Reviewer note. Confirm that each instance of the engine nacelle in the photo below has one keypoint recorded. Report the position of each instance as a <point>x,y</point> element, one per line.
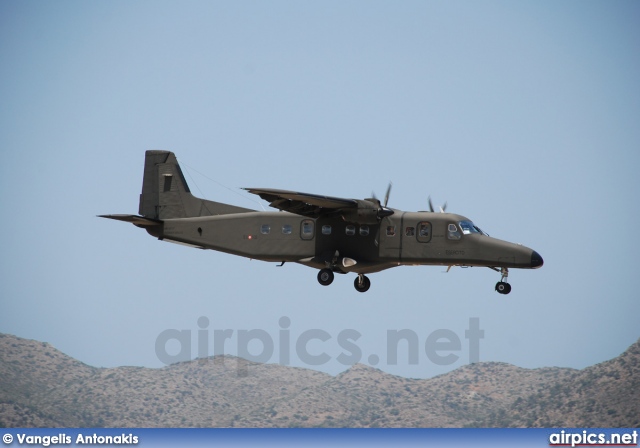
<point>368,212</point>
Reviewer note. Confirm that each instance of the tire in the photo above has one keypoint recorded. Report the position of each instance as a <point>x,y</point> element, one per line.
<point>325,277</point>
<point>366,284</point>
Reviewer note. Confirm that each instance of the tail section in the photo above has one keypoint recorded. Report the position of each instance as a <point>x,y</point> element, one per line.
<point>166,195</point>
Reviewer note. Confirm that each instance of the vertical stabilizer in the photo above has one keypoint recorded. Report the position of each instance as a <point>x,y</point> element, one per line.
<point>166,195</point>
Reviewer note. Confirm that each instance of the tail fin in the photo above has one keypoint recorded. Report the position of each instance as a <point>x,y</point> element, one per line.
<point>166,195</point>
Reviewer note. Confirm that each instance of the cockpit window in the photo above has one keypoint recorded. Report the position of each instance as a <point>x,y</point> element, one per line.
<point>468,227</point>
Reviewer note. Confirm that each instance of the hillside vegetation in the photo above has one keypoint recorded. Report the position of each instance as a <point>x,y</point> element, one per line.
<point>42,387</point>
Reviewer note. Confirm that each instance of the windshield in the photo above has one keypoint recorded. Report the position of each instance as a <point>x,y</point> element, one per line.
<point>469,227</point>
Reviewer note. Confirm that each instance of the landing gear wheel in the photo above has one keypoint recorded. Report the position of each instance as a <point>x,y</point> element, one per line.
<point>325,277</point>
<point>503,287</point>
<point>362,283</point>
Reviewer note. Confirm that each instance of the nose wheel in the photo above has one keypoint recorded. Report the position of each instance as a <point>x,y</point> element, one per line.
<point>502,286</point>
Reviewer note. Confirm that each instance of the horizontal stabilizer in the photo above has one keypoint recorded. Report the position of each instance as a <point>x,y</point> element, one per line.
<point>136,220</point>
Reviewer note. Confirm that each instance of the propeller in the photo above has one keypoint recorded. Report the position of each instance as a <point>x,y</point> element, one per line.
<point>383,211</point>
<point>442,208</point>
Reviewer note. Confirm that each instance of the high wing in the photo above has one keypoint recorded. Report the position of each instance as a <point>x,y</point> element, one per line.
<point>305,204</point>
<point>314,206</point>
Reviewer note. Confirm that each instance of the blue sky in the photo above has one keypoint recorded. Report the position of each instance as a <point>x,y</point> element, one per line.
<point>522,115</point>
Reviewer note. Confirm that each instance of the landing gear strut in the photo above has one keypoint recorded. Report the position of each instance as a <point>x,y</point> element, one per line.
<point>325,277</point>
<point>362,283</point>
<point>502,286</point>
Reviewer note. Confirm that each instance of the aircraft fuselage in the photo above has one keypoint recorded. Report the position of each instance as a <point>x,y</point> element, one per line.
<point>405,238</point>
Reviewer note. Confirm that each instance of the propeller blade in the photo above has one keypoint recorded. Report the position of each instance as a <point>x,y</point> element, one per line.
<point>386,196</point>
<point>442,208</point>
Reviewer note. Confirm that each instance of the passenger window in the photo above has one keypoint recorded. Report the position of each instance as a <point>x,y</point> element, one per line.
<point>452,232</point>
<point>391,230</point>
<point>424,232</point>
<point>364,230</point>
<point>265,229</point>
<point>326,230</point>
<point>307,229</point>
<point>410,231</point>
<point>350,230</point>
<point>286,229</point>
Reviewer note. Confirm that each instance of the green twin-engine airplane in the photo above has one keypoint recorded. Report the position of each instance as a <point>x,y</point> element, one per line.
<point>333,235</point>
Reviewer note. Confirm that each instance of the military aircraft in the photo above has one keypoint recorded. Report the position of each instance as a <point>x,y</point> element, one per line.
<point>333,235</point>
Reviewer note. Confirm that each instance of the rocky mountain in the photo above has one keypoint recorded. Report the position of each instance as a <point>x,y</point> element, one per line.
<point>42,387</point>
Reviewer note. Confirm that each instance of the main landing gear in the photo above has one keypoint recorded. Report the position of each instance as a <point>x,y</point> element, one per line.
<point>325,277</point>
<point>362,282</point>
<point>502,286</point>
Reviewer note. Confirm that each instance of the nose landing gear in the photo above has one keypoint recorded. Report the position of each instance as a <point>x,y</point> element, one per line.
<point>502,286</point>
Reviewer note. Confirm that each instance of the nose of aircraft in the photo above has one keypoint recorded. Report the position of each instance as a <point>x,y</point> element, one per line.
<point>536,260</point>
